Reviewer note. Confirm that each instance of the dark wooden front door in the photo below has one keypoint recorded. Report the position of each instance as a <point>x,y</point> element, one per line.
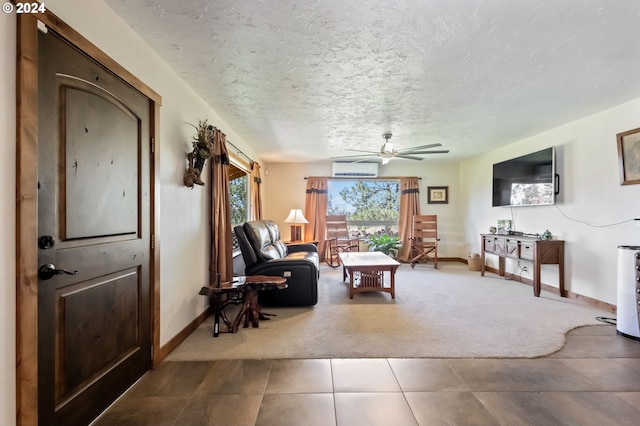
<point>93,217</point>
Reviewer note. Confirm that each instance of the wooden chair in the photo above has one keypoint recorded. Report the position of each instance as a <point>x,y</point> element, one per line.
<point>338,239</point>
<point>424,239</point>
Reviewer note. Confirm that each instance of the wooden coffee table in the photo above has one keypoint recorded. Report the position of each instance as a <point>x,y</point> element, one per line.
<point>366,272</point>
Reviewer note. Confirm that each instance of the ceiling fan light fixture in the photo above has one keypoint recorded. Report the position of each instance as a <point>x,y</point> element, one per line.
<point>387,152</point>
<point>387,148</point>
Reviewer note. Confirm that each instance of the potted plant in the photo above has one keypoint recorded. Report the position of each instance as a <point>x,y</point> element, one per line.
<point>385,243</point>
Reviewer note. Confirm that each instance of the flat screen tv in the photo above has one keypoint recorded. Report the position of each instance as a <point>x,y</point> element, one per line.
<point>529,180</point>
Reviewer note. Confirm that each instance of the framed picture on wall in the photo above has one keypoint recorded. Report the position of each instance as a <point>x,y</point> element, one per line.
<point>437,194</point>
<point>629,156</point>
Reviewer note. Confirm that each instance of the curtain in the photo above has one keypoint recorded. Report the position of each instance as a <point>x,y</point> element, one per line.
<point>255,181</point>
<point>315,211</point>
<point>409,206</point>
<point>221,245</point>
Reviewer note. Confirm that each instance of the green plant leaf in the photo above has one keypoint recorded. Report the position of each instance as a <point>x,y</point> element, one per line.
<point>384,243</point>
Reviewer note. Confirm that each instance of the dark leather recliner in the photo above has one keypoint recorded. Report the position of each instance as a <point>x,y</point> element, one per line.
<point>264,253</point>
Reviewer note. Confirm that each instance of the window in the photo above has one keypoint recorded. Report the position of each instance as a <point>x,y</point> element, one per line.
<point>371,205</point>
<point>238,197</point>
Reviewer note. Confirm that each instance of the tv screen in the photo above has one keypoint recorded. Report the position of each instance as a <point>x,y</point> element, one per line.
<point>525,181</point>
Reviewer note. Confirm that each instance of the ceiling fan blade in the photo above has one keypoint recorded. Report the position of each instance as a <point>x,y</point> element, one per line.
<point>361,150</point>
<point>437,151</point>
<point>408,157</point>
<point>418,148</point>
<point>363,160</point>
<point>373,154</point>
<point>357,160</point>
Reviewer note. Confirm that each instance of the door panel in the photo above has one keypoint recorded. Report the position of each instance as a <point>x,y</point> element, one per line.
<point>94,338</point>
<point>93,200</point>
<point>104,194</point>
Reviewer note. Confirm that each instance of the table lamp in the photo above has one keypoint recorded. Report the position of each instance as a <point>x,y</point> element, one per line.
<point>296,218</point>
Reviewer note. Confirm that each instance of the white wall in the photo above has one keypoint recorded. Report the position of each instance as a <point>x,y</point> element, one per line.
<point>590,191</point>
<point>184,222</point>
<point>7,219</point>
<point>290,176</point>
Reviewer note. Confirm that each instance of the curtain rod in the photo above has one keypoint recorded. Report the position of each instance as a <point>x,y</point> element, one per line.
<point>238,151</point>
<point>364,177</point>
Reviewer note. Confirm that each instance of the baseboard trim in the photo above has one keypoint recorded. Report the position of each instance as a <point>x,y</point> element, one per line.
<point>166,349</point>
<point>440,259</point>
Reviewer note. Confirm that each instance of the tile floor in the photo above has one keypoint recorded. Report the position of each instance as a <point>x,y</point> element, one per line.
<point>593,380</point>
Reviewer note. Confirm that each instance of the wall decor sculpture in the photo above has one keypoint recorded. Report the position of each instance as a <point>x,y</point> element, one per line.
<point>202,151</point>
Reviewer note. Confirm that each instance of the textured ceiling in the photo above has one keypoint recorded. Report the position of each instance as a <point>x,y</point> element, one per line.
<point>301,80</point>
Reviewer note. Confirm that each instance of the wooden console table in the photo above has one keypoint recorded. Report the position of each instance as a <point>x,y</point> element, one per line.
<point>540,252</point>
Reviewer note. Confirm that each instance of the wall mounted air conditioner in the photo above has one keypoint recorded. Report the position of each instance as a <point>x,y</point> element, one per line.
<point>355,169</point>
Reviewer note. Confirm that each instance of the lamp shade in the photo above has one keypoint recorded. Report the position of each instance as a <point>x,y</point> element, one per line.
<point>296,216</point>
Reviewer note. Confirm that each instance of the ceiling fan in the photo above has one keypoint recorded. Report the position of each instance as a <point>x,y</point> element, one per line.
<point>387,152</point>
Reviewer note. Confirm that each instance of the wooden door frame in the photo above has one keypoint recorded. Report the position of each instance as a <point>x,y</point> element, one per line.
<point>27,200</point>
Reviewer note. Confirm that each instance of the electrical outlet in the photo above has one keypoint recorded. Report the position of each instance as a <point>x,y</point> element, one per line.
<point>525,269</point>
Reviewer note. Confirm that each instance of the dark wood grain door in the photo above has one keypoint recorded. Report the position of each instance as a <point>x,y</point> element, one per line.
<point>93,217</point>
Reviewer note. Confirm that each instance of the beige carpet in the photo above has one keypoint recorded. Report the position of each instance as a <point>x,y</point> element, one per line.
<point>445,313</point>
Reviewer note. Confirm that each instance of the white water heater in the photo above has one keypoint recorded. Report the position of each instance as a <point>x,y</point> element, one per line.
<point>628,310</point>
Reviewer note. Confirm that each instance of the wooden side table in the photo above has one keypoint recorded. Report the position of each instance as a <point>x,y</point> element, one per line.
<point>251,310</point>
<point>245,292</point>
<point>235,295</point>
